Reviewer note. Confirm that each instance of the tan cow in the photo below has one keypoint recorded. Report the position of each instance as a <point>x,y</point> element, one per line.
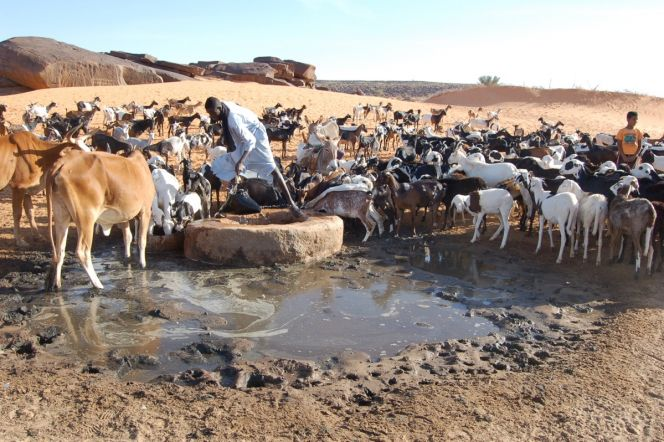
<point>98,187</point>
<point>24,160</point>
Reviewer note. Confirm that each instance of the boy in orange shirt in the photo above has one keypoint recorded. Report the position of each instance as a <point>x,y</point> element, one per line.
<point>629,141</point>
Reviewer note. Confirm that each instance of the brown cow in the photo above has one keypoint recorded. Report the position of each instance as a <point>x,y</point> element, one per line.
<point>24,160</point>
<point>98,187</point>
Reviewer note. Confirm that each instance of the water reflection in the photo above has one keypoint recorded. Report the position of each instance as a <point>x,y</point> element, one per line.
<point>299,311</point>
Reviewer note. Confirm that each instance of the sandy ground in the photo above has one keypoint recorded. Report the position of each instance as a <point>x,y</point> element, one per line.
<point>605,382</point>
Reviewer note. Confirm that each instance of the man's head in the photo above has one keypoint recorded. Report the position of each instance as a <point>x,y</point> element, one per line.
<point>632,118</point>
<point>213,108</point>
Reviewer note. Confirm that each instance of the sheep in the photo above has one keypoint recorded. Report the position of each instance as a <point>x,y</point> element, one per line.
<point>490,201</point>
<point>593,212</point>
<point>634,217</point>
<point>561,209</point>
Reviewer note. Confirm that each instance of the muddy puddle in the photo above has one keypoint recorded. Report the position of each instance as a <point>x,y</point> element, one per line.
<point>168,318</point>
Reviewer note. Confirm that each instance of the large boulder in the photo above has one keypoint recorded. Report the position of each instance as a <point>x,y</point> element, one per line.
<point>262,69</point>
<point>268,60</point>
<point>39,63</point>
<point>305,71</point>
<point>250,77</point>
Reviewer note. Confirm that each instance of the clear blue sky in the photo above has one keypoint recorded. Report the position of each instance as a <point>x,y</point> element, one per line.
<point>593,43</point>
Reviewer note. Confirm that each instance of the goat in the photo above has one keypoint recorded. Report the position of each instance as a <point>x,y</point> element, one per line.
<point>136,128</point>
<point>593,211</point>
<point>350,136</point>
<point>196,182</point>
<point>411,196</point>
<point>283,134</point>
<point>167,187</point>
<point>174,146</point>
<point>185,122</point>
<point>634,217</point>
<point>561,209</point>
<point>459,186</point>
<point>482,202</point>
<point>187,207</point>
<point>437,118</point>
<point>84,106</point>
<point>350,204</point>
<point>492,174</point>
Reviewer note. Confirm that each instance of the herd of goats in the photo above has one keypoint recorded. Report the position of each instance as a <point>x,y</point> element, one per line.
<point>407,164</point>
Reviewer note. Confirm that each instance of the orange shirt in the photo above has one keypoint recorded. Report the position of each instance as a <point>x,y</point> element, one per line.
<point>631,140</point>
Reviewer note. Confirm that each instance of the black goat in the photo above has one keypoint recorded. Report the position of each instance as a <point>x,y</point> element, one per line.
<point>185,122</point>
<point>196,182</point>
<point>215,182</point>
<point>109,144</point>
<point>283,134</point>
<point>459,186</point>
<point>137,127</point>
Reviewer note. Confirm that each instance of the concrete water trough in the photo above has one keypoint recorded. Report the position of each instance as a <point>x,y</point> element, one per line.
<point>273,236</point>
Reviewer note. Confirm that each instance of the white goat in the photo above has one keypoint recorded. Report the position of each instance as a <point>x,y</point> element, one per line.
<point>138,143</point>
<point>167,187</point>
<point>560,209</point>
<point>491,201</point>
<point>492,174</point>
<point>605,140</point>
<point>175,146</point>
<point>593,212</point>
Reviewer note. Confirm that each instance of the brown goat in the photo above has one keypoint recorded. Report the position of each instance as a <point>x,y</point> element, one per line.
<point>633,217</point>
<point>349,204</point>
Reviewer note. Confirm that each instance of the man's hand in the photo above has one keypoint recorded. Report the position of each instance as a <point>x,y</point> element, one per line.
<point>239,168</point>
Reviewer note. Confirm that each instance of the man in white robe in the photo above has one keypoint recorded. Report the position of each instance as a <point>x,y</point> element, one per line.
<point>248,147</point>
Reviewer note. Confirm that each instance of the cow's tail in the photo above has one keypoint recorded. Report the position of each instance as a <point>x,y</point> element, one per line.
<point>49,206</point>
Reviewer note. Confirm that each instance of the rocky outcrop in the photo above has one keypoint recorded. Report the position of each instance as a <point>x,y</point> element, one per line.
<point>153,62</point>
<point>295,72</point>
<point>262,69</point>
<point>304,71</point>
<point>39,63</point>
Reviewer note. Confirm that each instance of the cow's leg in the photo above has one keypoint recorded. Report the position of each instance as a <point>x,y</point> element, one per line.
<point>143,222</point>
<point>126,235</point>
<point>29,212</point>
<point>85,228</point>
<point>60,230</point>
<point>17,210</point>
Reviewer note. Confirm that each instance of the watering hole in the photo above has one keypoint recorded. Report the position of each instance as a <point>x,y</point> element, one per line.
<point>374,305</point>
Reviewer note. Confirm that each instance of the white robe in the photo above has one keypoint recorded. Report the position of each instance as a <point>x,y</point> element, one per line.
<point>250,136</point>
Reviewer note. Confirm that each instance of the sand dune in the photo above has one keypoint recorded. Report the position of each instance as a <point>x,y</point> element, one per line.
<point>590,111</point>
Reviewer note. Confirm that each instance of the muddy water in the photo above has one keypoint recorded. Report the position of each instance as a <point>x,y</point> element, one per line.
<point>376,306</point>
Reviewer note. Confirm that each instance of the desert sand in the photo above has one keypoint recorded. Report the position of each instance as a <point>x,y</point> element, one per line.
<point>607,383</point>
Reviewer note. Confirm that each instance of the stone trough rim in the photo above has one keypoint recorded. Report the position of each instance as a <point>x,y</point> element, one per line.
<point>227,243</point>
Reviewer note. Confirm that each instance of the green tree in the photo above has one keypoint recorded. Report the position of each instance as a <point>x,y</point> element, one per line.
<point>488,80</point>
